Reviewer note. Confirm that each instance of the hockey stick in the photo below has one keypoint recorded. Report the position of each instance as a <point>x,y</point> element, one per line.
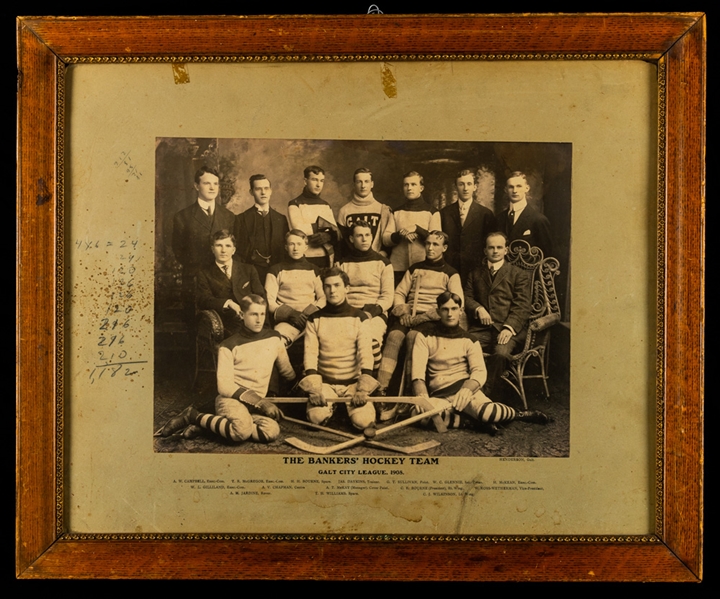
<point>369,434</point>
<point>407,450</point>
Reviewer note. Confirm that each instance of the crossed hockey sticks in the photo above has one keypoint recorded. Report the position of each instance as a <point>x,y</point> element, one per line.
<point>368,435</point>
<point>299,444</point>
<point>434,414</point>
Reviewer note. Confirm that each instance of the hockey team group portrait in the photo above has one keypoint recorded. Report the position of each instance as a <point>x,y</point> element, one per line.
<point>362,297</point>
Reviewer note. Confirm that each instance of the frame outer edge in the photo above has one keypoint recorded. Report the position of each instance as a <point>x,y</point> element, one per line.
<point>684,286</point>
<point>36,341</point>
<point>35,288</point>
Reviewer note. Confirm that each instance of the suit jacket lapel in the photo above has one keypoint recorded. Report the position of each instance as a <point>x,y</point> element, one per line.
<point>471,215</point>
<point>202,218</point>
<point>521,224</point>
<point>240,282</point>
<point>500,275</point>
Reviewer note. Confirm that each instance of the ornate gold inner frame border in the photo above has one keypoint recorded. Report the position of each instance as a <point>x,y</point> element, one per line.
<point>46,46</point>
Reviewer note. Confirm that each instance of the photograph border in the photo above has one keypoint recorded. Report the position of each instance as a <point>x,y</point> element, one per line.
<point>46,46</point>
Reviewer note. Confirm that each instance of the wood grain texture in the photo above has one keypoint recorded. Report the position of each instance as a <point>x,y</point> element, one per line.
<point>678,39</point>
<point>361,34</point>
<point>457,560</point>
<point>684,325</point>
<point>36,283</point>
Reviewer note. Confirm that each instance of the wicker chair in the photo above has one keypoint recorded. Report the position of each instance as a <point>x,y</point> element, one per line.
<point>210,334</point>
<point>545,313</point>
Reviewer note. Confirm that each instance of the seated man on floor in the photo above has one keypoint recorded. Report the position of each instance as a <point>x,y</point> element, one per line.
<point>371,283</point>
<point>338,356</point>
<point>293,287</point>
<point>221,286</point>
<point>245,363</point>
<point>448,366</point>
<point>414,302</point>
<point>497,296</point>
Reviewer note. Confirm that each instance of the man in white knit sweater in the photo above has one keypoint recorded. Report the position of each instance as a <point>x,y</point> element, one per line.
<point>245,363</point>
<point>293,288</point>
<point>371,283</point>
<point>338,356</point>
<point>448,368</point>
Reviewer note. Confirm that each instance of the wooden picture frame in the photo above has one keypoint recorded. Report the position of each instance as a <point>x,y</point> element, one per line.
<point>46,46</point>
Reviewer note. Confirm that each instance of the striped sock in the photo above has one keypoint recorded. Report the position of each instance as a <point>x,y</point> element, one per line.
<point>495,413</point>
<point>218,425</point>
<point>377,354</point>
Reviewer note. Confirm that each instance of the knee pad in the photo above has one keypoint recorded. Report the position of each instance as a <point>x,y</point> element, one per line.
<point>363,417</point>
<point>319,414</point>
<point>265,430</point>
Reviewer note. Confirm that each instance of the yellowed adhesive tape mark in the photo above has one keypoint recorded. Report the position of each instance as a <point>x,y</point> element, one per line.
<point>180,72</point>
<point>389,82</point>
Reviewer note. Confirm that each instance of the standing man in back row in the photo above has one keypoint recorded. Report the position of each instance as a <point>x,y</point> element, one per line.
<point>313,216</point>
<point>261,229</point>
<point>363,206</point>
<point>409,226</point>
<point>520,221</point>
<point>467,224</point>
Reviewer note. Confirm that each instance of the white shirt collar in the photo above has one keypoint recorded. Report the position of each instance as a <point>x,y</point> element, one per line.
<point>518,207</point>
<point>222,266</point>
<point>496,266</point>
<point>207,205</point>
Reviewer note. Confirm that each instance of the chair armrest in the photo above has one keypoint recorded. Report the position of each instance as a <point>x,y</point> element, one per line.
<point>544,322</point>
<point>210,325</point>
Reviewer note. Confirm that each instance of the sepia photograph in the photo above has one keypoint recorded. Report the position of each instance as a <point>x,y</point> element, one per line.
<point>362,297</point>
<point>269,316</point>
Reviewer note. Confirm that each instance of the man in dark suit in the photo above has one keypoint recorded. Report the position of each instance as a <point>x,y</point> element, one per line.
<point>261,229</point>
<point>221,286</point>
<point>520,221</point>
<point>497,300</point>
<point>466,223</point>
<point>193,228</point>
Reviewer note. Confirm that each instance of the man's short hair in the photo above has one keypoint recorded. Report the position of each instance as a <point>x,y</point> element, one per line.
<point>223,234</point>
<point>334,271</point>
<point>313,169</point>
<point>414,174</point>
<point>441,234</point>
<point>359,223</point>
<point>465,172</point>
<point>296,233</point>
<point>496,234</point>
<point>361,171</point>
<point>205,169</point>
<point>251,299</point>
<point>517,174</point>
<point>258,177</point>
<point>446,296</point>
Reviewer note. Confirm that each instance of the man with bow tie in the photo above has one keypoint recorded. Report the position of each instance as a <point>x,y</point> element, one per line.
<point>521,221</point>
<point>261,229</point>
<point>467,224</point>
<point>222,285</point>
<point>497,296</point>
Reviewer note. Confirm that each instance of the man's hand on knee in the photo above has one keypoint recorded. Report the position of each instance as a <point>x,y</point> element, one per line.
<point>504,336</point>
<point>462,399</point>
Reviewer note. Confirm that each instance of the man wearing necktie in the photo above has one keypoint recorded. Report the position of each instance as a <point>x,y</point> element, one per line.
<point>261,229</point>
<point>497,296</point>
<point>221,286</point>
<point>193,227</point>
<point>467,223</point>
<point>521,221</point>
